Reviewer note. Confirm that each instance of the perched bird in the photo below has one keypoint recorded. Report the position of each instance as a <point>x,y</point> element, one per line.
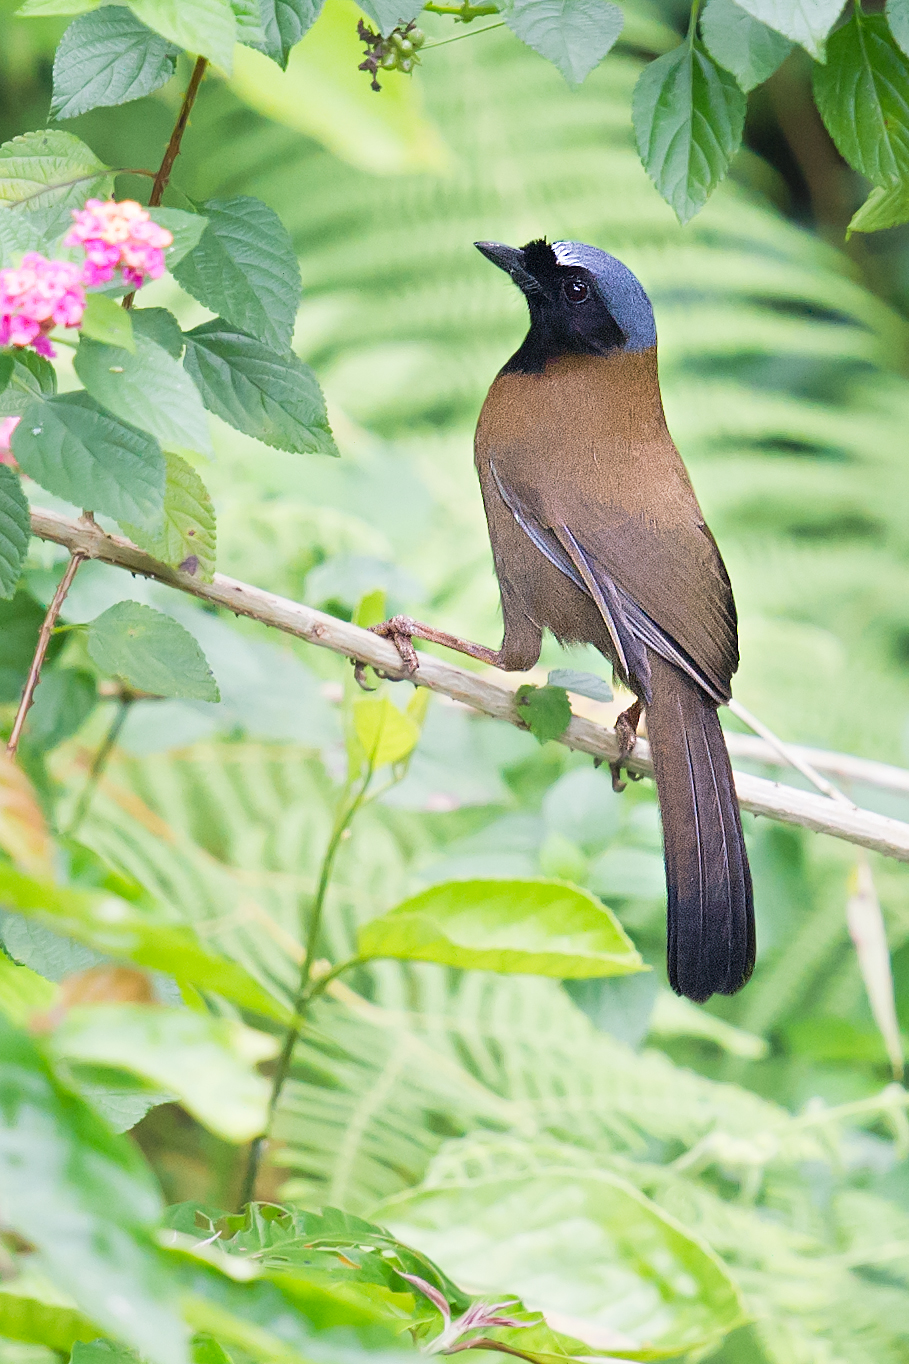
<point>597,536</point>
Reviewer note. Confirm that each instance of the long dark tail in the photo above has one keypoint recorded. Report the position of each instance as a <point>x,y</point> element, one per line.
<point>710,941</point>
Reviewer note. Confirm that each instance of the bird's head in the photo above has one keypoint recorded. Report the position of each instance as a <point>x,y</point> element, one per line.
<point>581,300</point>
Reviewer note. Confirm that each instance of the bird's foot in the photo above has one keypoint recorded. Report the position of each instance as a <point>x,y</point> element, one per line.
<point>402,631</point>
<point>626,729</point>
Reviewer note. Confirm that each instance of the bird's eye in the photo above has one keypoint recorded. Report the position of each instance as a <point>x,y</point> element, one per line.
<point>576,290</point>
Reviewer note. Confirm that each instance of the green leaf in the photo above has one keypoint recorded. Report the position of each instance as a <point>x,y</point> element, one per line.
<point>63,702</point>
<point>885,207</point>
<point>863,97</point>
<point>83,454</point>
<point>389,14</point>
<point>33,1310</point>
<point>545,711</point>
<point>245,268</point>
<point>32,377</point>
<point>51,172</point>
<point>249,21</point>
<point>273,397</point>
<point>146,387</point>
<point>20,622</point>
<point>21,232</point>
<point>284,22</point>
<point>535,927</point>
<point>108,57</point>
<point>7,365</point>
<point>150,652</point>
<point>187,539</point>
<point>186,228</point>
<point>22,993</point>
<point>104,320</point>
<point>742,44</point>
<point>897,12</point>
<point>118,928</point>
<point>205,1062</point>
<point>574,35</point>
<point>15,530</point>
<point>804,21</point>
<point>582,684</point>
<point>86,1199</point>
<point>160,326</point>
<point>688,118</point>
<point>385,733</point>
<point>585,1247</point>
<point>204,27</point>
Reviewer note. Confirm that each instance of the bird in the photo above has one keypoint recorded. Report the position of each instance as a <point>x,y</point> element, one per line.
<point>597,536</point>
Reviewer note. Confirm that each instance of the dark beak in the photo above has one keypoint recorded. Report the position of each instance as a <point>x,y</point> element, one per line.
<point>511,260</point>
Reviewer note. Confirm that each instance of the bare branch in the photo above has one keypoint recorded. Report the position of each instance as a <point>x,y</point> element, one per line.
<point>757,795</point>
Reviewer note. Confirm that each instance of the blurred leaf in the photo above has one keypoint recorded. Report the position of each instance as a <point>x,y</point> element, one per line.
<point>22,993</point>
<point>385,733</point>
<point>245,268</point>
<point>675,1017</point>
<point>23,833</point>
<point>123,930</point>
<point>150,652</point>
<point>15,530</point>
<point>33,1310</point>
<point>324,96</point>
<point>160,326</point>
<point>390,14</point>
<point>869,936</point>
<point>284,23</point>
<point>546,711</point>
<point>31,8</point>
<point>741,43</point>
<point>147,388</point>
<point>108,57</point>
<point>688,118</point>
<point>102,1352</point>
<point>20,622</point>
<point>589,1251</point>
<point>204,27</point>
<point>574,35</point>
<point>897,12</point>
<point>631,873</point>
<point>81,453</point>
<point>207,1063</point>
<point>273,397</point>
<point>536,927</point>
<point>51,172</point>
<point>104,320</point>
<point>21,232</point>
<point>86,1199</point>
<point>186,228</point>
<point>886,206</point>
<point>582,684</point>
<point>64,699</point>
<point>806,22</point>
<point>863,96</point>
<point>32,377</point>
<point>187,540</point>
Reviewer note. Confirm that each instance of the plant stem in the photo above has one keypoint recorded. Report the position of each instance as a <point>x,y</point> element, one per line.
<point>465,12</point>
<point>693,21</point>
<point>172,151</point>
<point>44,638</point>
<point>99,763</point>
<point>307,990</point>
<point>474,33</point>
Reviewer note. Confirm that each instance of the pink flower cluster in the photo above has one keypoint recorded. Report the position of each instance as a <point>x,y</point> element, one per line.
<point>119,236</point>
<point>38,296</point>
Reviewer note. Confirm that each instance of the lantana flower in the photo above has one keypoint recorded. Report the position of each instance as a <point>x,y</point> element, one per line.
<point>7,427</point>
<point>118,236</point>
<point>36,297</point>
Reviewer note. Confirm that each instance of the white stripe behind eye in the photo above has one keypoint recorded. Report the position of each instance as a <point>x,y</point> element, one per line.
<point>564,253</point>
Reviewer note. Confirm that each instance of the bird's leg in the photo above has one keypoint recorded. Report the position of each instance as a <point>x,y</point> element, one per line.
<point>626,729</point>
<point>402,631</point>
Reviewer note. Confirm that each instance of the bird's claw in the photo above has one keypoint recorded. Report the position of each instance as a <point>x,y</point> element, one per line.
<point>626,730</point>
<point>399,631</point>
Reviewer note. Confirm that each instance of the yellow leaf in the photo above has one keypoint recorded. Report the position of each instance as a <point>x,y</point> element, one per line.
<point>323,95</point>
<point>387,736</point>
<point>23,832</point>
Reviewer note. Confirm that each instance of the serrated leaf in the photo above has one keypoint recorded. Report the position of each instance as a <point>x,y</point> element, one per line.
<point>186,229</point>
<point>284,22</point>
<point>105,58</point>
<point>159,326</point>
<point>105,321</point>
<point>15,530</point>
<point>245,269</point>
<point>862,94</point>
<point>806,22</point>
<point>187,538</point>
<point>87,1200</point>
<point>574,35</point>
<point>582,684</point>
<point>688,118</point>
<point>32,377</point>
<point>206,28</point>
<point>77,451</point>
<point>205,1062</point>
<point>249,21</point>
<point>545,711</point>
<point>885,207</point>
<point>389,14</point>
<point>742,44</point>
<point>51,172</point>
<point>150,652</point>
<point>148,388</point>
<point>384,732</point>
<point>533,927</point>
<point>273,397</point>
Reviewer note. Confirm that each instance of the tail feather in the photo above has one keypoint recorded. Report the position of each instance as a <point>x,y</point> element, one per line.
<point>710,938</point>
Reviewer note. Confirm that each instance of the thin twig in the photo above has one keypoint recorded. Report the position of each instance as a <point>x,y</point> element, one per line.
<point>44,639</point>
<point>789,755</point>
<point>786,804</point>
<point>473,33</point>
<point>99,763</point>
